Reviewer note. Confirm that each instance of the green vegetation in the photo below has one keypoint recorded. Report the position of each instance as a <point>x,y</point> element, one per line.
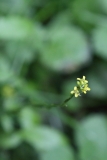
<point>45,45</point>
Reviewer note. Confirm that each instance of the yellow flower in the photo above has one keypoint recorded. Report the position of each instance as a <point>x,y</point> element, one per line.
<point>85,89</point>
<point>76,92</point>
<point>82,81</point>
<point>82,86</point>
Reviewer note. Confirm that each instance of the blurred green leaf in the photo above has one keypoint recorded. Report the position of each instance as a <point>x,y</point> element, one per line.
<point>7,123</point>
<point>92,138</point>
<point>28,118</point>
<point>98,80</point>
<point>80,10</point>
<point>5,70</point>
<point>15,28</point>
<point>103,4</point>
<point>87,12</point>
<point>99,37</point>
<point>97,85</point>
<point>8,141</point>
<point>11,104</point>
<point>43,138</point>
<point>65,49</point>
<point>59,153</point>
<point>20,6</point>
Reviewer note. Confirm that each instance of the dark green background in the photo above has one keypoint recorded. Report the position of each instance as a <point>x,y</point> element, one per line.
<point>44,46</point>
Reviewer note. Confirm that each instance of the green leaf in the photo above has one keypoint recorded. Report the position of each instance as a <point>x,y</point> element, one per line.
<point>98,88</point>
<point>103,5</point>
<point>98,80</point>
<point>92,138</point>
<point>8,141</point>
<point>99,37</point>
<point>59,153</point>
<point>13,6</point>
<point>11,103</point>
<point>6,72</point>
<point>7,123</point>
<point>43,138</point>
<point>65,49</point>
<point>15,28</point>
<point>28,118</point>
<point>83,12</point>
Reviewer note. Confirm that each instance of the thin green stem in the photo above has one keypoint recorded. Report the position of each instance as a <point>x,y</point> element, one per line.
<point>68,99</point>
<point>63,104</point>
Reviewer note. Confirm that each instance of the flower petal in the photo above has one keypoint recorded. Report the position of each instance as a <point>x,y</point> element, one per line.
<point>72,92</point>
<point>83,77</point>
<point>76,95</point>
<point>75,88</point>
<point>88,89</point>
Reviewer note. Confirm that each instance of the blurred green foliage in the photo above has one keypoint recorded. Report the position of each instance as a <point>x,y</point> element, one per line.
<point>44,46</point>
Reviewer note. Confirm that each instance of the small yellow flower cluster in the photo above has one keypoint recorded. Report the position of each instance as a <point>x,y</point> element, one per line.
<point>76,92</point>
<point>82,86</point>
